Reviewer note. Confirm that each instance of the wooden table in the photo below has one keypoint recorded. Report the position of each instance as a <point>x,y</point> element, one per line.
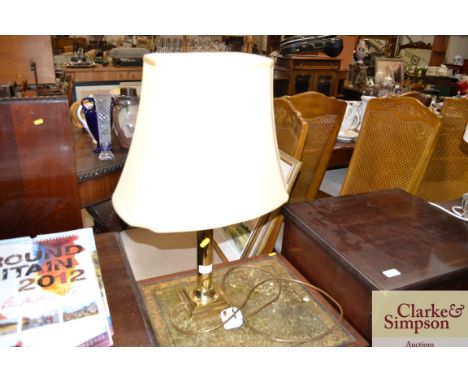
<point>97,179</point>
<point>129,314</point>
<point>341,155</point>
<point>343,244</point>
<point>121,290</point>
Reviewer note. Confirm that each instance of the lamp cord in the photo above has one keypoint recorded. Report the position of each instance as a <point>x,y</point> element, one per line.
<point>454,212</point>
<point>280,281</point>
<point>225,295</point>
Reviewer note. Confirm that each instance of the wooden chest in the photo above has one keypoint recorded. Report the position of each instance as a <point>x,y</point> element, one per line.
<point>345,244</point>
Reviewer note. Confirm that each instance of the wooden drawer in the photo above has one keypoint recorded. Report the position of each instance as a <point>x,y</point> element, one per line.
<point>103,74</point>
<point>317,65</point>
<point>130,75</point>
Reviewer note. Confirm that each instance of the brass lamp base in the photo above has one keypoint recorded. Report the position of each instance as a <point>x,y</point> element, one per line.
<point>196,303</point>
<point>204,298</point>
<point>201,298</point>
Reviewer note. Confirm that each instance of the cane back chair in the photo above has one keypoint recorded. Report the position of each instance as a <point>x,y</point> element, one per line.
<point>291,133</point>
<point>446,176</point>
<point>425,99</point>
<point>291,129</point>
<point>396,141</point>
<point>324,116</point>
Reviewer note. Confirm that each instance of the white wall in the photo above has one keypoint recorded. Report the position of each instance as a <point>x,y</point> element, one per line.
<point>423,54</point>
<point>457,45</point>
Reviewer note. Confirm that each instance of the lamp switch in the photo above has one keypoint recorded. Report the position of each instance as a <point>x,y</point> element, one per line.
<point>232,318</point>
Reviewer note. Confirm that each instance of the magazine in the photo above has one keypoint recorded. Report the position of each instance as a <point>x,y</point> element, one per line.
<point>51,292</point>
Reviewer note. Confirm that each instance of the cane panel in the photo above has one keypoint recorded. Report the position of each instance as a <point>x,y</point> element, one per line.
<point>446,176</point>
<point>291,129</point>
<point>397,138</point>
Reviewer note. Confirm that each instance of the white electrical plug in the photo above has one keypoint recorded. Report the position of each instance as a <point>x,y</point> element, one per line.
<point>235,322</point>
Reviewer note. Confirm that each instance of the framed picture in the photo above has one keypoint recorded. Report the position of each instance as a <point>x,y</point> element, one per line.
<point>234,241</point>
<point>86,89</point>
<point>246,239</point>
<point>415,60</point>
<point>132,84</point>
<point>290,169</point>
<point>395,65</point>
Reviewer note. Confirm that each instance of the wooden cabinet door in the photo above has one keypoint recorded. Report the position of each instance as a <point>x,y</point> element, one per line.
<point>301,81</point>
<point>323,81</point>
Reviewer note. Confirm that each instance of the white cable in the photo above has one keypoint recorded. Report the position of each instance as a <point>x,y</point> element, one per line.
<point>454,213</point>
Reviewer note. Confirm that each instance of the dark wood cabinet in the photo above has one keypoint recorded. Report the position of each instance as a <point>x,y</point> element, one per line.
<point>344,245</point>
<point>311,73</point>
<point>38,182</point>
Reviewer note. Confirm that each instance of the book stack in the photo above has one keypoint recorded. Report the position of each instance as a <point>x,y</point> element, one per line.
<point>52,293</point>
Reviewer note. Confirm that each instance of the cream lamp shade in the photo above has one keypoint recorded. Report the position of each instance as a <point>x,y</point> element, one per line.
<point>204,152</point>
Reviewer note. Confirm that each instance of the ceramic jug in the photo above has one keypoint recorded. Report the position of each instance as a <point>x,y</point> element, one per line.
<point>98,120</point>
<point>89,121</point>
<point>352,117</point>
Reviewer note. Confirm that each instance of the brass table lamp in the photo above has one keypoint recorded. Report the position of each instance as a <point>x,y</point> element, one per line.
<point>204,152</point>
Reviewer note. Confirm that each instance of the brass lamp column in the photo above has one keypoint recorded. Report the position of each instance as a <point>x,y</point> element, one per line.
<point>204,292</point>
<point>204,298</point>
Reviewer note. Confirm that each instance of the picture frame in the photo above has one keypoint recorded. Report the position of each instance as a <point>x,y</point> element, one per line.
<point>396,66</point>
<point>290,168</point>
<point>247,239</point>
<point>86,89</point>
<point>415,60</point>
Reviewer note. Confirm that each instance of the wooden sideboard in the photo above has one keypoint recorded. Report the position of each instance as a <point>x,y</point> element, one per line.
<point>311,73</point>
<point>101,73</point>
<point>97,179</point>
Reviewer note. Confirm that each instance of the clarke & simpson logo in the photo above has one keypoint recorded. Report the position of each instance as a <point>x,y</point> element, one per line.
<point>410,316</point>
<point>419,318</point>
